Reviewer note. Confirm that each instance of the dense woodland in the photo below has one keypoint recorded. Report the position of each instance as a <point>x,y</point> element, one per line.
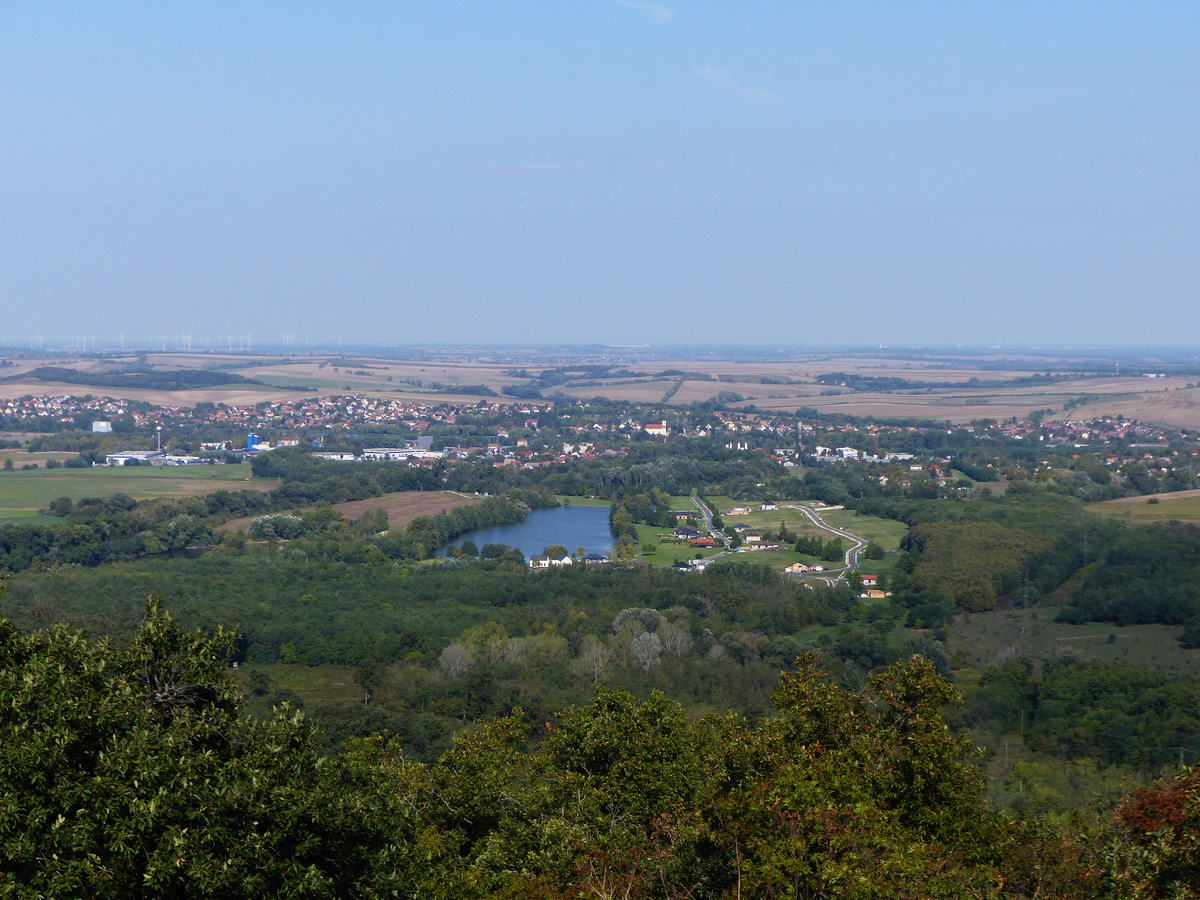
<point>131,772</point>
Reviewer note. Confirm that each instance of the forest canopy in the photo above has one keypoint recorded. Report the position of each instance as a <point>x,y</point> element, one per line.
<point>129,772</point>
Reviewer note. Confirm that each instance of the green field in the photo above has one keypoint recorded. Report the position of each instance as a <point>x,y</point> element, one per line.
<point>667,552</point>
<point>769,521</point>
<point>325,683</point>
<point>567,500</point>
<point>1181,506</point>
<point>977,640</point>
<point>885,566</point>
<point>885,532</point>
<point>24,494</point>
<point>777,559</point>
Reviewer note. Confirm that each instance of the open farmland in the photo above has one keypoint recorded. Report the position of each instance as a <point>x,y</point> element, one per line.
<point>636,392</point>
<point>233,394</point>
<point>401,508</point>
<point>381,374</point>
<point>1178,506</point>
<point>23,494</point>
<point>809,369</point>
<point>37,458</point>
<point>1177,408</point>
<point>1167,401</point>
<point>957,407</point>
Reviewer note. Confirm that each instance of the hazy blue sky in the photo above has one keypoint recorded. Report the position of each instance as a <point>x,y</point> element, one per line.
<point>602,170</point>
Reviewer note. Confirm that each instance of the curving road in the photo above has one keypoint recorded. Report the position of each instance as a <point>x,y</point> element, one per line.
<point>851,559</point>
<point>857,543</point>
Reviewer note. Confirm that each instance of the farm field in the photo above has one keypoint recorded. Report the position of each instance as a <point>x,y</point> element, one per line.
<point>1179,506</point>
<point>38,458</point>
<point>637,392</point>
<point>233,394</point>
<point>1178,408</point>
<point>24,494</point>
<point>378,371</point>
<point>1167,401</point>
<point>956,408</point>
<point>914,369</point>
<point>401,507</point>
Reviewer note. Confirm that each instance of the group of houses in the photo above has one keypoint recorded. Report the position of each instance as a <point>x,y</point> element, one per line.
<point>550,562</point>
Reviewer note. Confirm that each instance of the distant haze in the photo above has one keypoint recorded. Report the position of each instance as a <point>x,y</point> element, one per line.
<point>601,170</point>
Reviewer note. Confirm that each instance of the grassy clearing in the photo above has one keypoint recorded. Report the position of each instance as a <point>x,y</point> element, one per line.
<point>566,500</point>
<point>795,520</point>
<point>23,494</point>
<point>885,532</point>
<point>986,639</point>
<point>324,684</point>
<point>1180,506</point>
<point>885,566</point>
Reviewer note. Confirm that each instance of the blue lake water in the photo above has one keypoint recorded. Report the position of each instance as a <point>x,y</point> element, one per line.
<point>571,526</point>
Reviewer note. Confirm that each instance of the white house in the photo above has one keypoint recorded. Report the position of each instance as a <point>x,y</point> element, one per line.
<point>135,457</point>
<point>545,562</point>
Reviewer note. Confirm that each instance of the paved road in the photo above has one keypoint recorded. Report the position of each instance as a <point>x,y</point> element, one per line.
<point>835,575</point>
<point>708,525</point>
<point>857,543</point>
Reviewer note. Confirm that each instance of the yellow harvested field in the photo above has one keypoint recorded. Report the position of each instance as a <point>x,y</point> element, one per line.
<point>234,394</point>
<point>638,392</point>
<point>377,371</point>
<point>903,406</point>
<point>808,369</point>
<point>1179,408</point>
<point>1166,401</point>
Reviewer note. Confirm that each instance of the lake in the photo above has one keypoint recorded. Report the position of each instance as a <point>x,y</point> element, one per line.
<point>571,526</point>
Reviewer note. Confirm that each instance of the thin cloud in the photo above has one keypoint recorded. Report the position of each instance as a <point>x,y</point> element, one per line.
<point>720,77</point>
<point>656,11</point>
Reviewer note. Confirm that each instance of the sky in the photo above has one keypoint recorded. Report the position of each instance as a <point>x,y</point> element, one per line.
<point>589,171</point>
